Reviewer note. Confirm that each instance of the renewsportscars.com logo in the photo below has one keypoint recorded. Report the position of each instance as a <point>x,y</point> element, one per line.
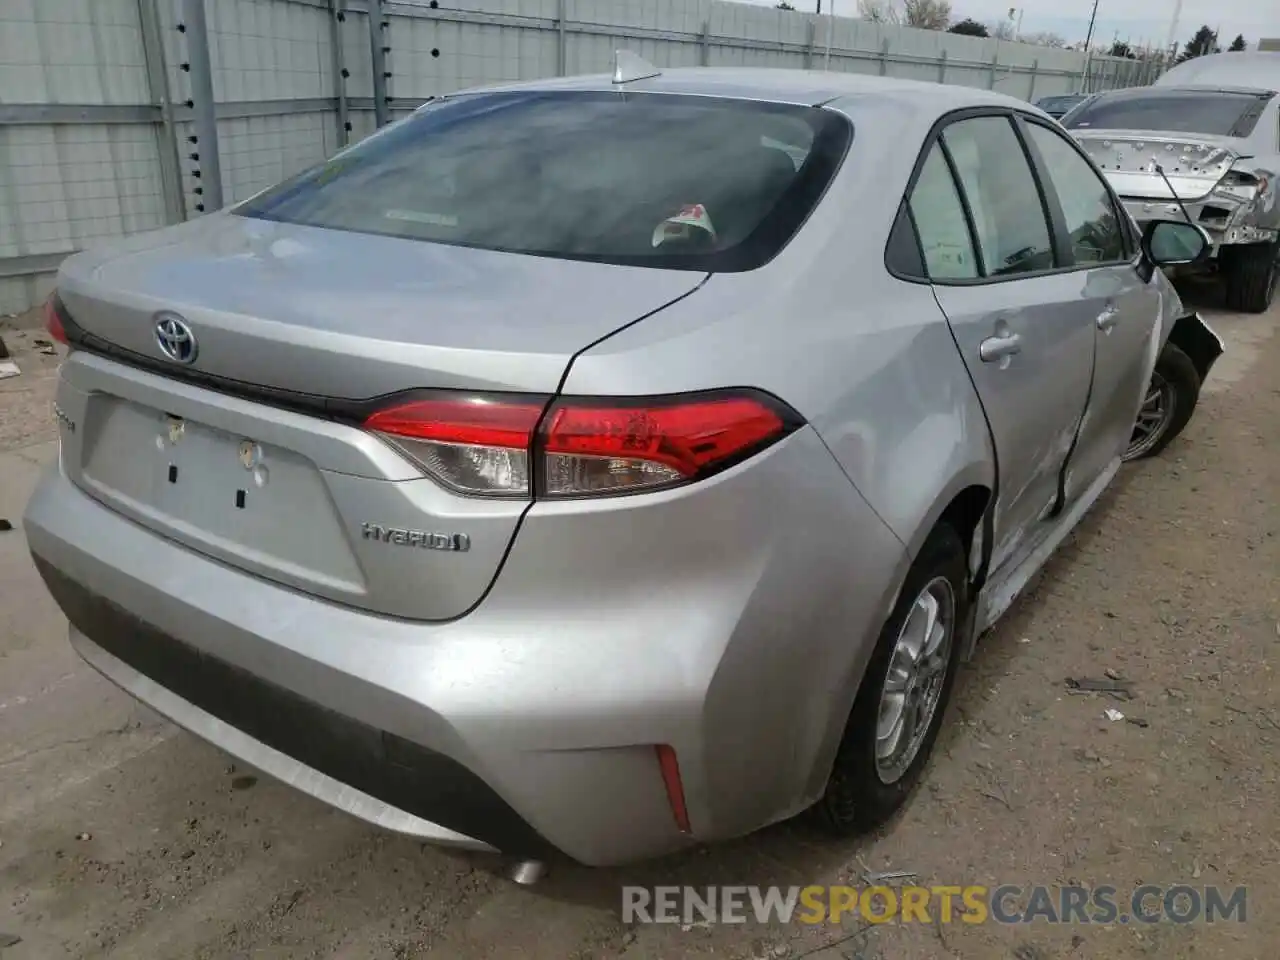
<point>1005,904</point>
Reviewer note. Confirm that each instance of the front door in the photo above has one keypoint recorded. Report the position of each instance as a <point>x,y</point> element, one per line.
<point>1022,330</point>
<point>1124,308</point>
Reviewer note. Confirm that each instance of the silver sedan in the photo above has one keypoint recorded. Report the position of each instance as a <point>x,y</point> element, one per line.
<point>609,464</point>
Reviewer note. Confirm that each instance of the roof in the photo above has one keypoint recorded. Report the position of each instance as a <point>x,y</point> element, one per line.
<point>801,87</point>
<point>1253,68</point>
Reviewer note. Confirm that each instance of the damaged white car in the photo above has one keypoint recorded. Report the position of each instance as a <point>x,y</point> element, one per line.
<point>1210,154</point>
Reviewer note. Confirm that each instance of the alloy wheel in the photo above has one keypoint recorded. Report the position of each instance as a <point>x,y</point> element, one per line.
<point>1153,419</point>
<point>915,679</point>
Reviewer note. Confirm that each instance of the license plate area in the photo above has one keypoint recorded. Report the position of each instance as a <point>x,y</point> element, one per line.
<point>256,505</point>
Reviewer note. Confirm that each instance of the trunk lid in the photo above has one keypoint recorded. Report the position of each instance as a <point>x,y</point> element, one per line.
<point>305,500</point>
<point>1193,163</point>
<point>356,315</point>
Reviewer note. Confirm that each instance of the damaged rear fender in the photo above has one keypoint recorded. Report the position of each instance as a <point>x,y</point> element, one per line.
<point>1243,205</point>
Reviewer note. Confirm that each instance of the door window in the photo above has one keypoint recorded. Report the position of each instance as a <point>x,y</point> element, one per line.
<point>1013,232</point>
<point>1093,226</point>
<point>939,216</point>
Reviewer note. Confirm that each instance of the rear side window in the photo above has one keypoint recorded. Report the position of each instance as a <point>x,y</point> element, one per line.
<point>1217,113</point>
<point>1008,214</point>
<point>694,183</point>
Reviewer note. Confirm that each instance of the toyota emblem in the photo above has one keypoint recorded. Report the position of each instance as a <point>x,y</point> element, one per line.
<point>175,339</point>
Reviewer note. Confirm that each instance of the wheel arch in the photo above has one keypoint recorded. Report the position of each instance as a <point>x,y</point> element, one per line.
<point>964,504</point>
<point>966,513</point>
<point>967,504</point>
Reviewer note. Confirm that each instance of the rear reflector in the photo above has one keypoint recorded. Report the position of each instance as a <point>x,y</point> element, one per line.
<point>670,767</point>
<point>492,446</point>
<point>53,319</point>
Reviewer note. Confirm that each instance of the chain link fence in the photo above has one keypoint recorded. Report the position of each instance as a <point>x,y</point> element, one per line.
<point>123,115</point>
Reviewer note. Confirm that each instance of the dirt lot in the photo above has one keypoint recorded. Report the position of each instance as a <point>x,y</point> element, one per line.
<point>122,837</point>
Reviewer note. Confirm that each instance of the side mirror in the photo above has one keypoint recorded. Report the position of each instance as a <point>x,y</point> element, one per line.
<point>1172,243</point>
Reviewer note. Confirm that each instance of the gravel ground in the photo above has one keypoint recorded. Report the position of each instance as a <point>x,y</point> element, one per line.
<point>122,837</point>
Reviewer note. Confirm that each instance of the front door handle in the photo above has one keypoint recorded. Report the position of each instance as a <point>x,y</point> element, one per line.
<point>998,349</point>
<point>1108,318</point>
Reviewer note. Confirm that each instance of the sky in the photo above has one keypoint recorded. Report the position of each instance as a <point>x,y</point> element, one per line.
<point>1135,20</point>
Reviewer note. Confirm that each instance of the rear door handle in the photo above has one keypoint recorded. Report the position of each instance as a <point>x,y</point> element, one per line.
<point>997,349</point>
<point>1108,318</point>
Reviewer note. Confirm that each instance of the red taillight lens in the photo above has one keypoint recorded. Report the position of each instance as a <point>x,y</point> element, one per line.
<point>53,319</point>
<point>474,444</point>
<point>670,767</point>
<point>595,448</point>
<point>494,446</point>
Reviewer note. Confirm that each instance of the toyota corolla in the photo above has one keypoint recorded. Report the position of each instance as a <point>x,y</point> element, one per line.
<point>603,465</point>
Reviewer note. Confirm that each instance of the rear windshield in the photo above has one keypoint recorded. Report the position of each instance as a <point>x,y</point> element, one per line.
<point>695,183</point>
<point>1217,113</point>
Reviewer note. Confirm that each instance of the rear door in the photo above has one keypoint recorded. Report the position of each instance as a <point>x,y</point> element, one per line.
<point>1021,326</point>
<point>1124,306</point>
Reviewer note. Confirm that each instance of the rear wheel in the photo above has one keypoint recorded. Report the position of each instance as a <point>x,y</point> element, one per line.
<point>1168,405</point>
<point>899,708</point>
<point>1250,274</point>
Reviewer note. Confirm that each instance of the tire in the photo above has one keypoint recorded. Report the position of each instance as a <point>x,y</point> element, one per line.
<point>859,796</point>
<point>1175,384</point>
<point>1250,274</point>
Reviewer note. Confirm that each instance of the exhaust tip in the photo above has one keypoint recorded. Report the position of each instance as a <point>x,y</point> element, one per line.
<point>528,872</point>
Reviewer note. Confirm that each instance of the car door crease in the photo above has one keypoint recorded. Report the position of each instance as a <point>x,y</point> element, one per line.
<point>1061,502</point>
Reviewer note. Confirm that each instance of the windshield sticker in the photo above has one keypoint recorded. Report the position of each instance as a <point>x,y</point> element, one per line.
<point>690,221</point>
<point>417,216</point>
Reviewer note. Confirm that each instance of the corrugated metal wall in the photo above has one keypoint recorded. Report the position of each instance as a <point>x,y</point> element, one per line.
<point>98,107</point>
<point>65,185</point>
<point>273,81</point>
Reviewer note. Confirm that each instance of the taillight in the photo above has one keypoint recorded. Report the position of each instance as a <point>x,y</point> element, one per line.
<point>1241,178</point>
<point>474,444</point>
<point>595,447</point>
<point>582,447</point>
<point>53,319</point>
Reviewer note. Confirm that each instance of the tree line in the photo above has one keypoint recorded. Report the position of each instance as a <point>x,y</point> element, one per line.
<point>937,15</point>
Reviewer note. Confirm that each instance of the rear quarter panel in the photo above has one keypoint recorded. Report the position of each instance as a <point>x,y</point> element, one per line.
<point>869,361</point>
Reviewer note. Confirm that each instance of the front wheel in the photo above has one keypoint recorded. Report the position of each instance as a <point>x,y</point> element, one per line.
<point>1168,405</point>
<point>904,693</point>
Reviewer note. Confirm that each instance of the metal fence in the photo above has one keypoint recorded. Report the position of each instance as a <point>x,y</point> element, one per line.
<point>122,115</point>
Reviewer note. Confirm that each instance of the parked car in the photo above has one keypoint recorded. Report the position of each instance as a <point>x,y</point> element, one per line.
<point>1057,106</point>
<point>1211,154</point>
<point>561,470</point>
<point>1243,68</point>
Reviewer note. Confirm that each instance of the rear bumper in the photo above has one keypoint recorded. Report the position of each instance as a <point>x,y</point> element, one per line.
<point>372,773</point>
<point>694,619</point>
